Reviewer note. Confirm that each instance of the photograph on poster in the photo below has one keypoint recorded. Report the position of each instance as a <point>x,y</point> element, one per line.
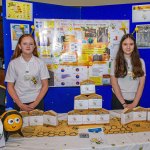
<point>143,36</point>
<point>16,32</point>
<point>141,13</point>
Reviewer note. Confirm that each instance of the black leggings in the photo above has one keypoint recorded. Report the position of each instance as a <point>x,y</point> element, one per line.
<point>116,103</point>
<point>39,106</point>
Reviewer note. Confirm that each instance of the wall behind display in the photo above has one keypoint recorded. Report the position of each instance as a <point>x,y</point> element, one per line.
<point>62,99</point>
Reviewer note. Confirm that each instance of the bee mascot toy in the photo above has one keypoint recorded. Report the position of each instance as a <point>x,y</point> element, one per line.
<point>12,123</point>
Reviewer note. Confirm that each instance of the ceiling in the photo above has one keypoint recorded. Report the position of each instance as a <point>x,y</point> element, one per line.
<point>86,2</point>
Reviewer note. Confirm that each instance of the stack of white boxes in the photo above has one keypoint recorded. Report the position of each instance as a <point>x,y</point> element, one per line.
<point>135,114</point>
<point>88,107</point>
<point>39,117</point>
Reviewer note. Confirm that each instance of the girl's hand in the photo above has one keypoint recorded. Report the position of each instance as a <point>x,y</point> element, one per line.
<point>131,106</point>
<point>25,107</point>
<point>33,105</point>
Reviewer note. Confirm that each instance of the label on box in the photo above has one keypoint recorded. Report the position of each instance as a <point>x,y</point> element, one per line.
<point>95,103</point>
<point>87,89</point>
<point>36,120</point>
<point>81,104</point>
<point>74,119</point>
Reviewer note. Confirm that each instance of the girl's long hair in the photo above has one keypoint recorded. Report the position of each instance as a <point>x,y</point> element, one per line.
<point>18,51</point>
<point>121,64</point>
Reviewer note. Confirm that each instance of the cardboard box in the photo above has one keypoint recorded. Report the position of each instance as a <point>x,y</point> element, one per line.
<point>81,102</point>
<point>102,116</point>
<point>74,118</point>
<point>115,113</point>
<point>25,117</point>
<point>95,101</point>
<point>87,87</point>
<point>89,117</point>
<point>50,118</point>
<point>139,114</point>
<point>126,116</point>
<point>36,117</point>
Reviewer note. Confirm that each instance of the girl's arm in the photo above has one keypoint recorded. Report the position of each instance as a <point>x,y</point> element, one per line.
<point>41,94</point>
<point>117,91</point>
<point>138,93</point>
<point>13,94</point>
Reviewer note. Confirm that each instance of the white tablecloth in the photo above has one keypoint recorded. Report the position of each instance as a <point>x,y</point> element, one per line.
<point>128,141</point>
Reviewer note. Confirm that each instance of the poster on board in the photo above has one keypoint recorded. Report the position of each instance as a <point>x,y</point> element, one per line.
<point>17,10</point>
<point>141,13</point>
<point>76,50</point>
<point>143,36</point>
<point>16,32</point>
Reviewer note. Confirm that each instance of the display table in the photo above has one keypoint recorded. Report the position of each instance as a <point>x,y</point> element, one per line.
<point>126,141</point>
<point>57,138</point>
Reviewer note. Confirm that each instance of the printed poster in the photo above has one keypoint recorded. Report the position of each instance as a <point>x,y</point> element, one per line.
<point>76,50</point>
<point>19,10</point>
<point>16,32</point>
<point>141,13</point>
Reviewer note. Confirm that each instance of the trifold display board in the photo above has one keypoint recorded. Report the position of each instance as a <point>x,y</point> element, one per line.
<point>59,98</point>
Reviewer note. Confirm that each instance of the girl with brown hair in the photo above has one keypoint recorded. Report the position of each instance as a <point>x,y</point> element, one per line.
<point>127,75</point>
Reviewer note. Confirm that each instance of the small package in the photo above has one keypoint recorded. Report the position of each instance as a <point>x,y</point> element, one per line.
<point>95,101</point>
<point>36,117</point>
<point>87,87</point>
<point>102,116</point>
<point>81,102</point>
<point>89,117</point>
<point>139,114</point>
<point>126,116</point>
<point>25,117</point>
<point>75,117</point>
<point>50,118</point>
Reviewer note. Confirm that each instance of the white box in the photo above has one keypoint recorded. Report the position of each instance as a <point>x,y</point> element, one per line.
<point>139,115</point>
<point>126,117</point>
<point>102,118</point>
<point>115,113</point>
<point>36,120</point>
<point>95,103</point>
<point>89,119</point>
<point>87,89</point>
<point>50,120</point>
<point>2,139</point>
<point>81,104</point>
<point>74,119</point>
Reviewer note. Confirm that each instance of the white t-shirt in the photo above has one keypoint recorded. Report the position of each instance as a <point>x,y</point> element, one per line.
<point>128,85</point>
<point>27,77</point>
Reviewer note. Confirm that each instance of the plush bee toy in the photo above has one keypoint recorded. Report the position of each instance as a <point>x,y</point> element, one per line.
<point>12,123</point>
